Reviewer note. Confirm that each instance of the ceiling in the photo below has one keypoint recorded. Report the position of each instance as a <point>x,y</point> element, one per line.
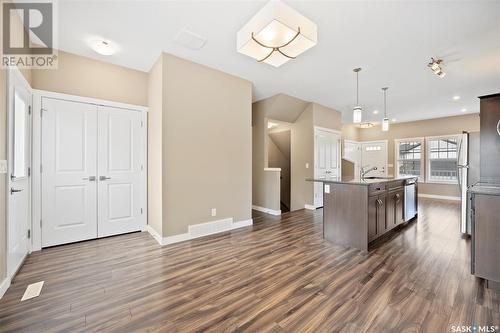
<point>392,41</point>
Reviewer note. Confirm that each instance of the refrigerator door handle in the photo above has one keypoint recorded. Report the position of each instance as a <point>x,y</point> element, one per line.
<point>459,176</point>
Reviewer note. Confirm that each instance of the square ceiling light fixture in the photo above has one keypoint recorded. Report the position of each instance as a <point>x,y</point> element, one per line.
<point>276,34</point>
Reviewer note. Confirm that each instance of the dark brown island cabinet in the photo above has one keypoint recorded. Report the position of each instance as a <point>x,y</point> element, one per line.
<point>356,213</point>
<point>485,197</point>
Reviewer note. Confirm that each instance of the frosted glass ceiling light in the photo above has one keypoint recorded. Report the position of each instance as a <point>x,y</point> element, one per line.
<point>357,111</point>
<point>385,121</point>
<point>276,34</point>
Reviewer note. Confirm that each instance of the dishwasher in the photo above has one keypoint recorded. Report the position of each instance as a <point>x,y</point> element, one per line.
<point>410,203</point>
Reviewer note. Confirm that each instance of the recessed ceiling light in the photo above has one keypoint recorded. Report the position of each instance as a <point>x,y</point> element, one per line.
<point>393,120</point>
<point>104,47</point>
<point>375,111</point>
<point>464,110</point>
<point>456,98</point>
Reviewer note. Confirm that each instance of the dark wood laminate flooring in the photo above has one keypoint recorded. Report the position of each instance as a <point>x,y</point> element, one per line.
<point>277,276</point>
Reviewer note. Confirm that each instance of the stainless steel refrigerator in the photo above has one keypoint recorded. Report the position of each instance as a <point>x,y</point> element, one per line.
<point>468,174</point>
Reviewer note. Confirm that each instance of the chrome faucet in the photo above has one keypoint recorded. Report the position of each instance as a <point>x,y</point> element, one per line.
<point>363,172</point>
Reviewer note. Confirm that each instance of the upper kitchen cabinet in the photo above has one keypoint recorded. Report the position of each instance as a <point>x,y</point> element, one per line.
<point>490,139</point>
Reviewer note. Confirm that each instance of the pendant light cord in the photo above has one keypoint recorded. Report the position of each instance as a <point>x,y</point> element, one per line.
<point>385,101</point>
<point>357,88</point>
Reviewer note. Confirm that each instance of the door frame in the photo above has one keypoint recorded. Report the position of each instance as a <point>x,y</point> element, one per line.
<point>38,95</point>
<point>10,72</point>
<point>339,156</point>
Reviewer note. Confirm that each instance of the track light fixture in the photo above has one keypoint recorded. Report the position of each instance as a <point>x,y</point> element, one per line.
<point>435,66</point>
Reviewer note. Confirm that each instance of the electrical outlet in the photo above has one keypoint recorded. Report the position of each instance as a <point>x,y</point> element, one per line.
<point>3,166</point>
<point>214,211</point>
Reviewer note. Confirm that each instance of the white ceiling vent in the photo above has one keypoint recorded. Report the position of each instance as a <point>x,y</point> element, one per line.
<point>190,40</point>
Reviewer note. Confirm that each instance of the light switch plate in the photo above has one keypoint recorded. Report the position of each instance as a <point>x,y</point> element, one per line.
<point>307,165</point>
<point>327,188</point>
<point>3,166</point>
<point>214,211</point>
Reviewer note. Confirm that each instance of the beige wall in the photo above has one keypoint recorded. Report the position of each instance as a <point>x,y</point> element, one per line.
<point>302,152</point>
<point>155,139</point>
<point>350,132</point>
<point>423,128</point>
<point>326,117</point>
<point>207,156</point>
<point>263,183</point>
<point>81,76</point>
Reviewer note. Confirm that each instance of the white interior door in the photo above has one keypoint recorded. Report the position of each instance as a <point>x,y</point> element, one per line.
<point>120,156</point>
<point>69,170</point>
<point>326,160</point>
<point>19,161</point>
<point>374,154</point>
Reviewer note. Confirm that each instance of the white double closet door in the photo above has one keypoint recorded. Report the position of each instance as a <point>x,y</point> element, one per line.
<point>91,171</point>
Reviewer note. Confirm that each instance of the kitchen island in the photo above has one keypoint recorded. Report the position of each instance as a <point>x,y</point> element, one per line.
<point>359,211</point>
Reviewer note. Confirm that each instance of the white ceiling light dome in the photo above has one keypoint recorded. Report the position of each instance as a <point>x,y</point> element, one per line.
<point>276,34</point>
<point>103,46</point>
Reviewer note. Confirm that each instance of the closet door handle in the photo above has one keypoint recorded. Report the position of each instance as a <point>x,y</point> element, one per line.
<point>13,190</point>
<point>90,178</point>
<point>104,178</point>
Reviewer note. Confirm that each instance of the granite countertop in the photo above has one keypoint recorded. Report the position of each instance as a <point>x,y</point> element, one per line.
<point>358,181</point>
<point>484,188</point>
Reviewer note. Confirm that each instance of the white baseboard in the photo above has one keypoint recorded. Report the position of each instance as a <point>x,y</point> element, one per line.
<point>310,207</point>
<point>267,210</point>
<point>441,197</point>
<point>176,239</point>
<point>204,229</point>
<point>4,286</point>
<point>155,234</point>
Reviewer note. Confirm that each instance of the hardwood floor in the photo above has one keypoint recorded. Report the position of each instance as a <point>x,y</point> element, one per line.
<point>277,276</point>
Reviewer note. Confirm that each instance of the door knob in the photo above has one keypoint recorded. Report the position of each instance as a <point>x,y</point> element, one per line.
<point>13,190</point>
<point>104,178</point>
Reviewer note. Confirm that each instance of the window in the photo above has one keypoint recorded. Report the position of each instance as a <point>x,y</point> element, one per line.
<point>409,157</point>
<point>20,112</point>
<point>442,159</point>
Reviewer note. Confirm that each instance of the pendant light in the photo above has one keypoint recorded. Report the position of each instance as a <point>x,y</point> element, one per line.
<point>385,121</point>
<point>357,112</point>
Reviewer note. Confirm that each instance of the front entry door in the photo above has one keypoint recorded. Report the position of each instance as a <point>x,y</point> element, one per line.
<point>374,154</point>
<point>120,157</point>
<point>69,169</point>
<point>19,161</point>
